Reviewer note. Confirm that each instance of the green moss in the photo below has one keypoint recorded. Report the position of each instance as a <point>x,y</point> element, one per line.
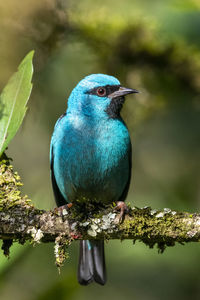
<point>10,182</point>
<point>161,228</point>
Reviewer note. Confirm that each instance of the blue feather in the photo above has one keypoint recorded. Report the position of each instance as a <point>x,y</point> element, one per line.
<point>89,245</point>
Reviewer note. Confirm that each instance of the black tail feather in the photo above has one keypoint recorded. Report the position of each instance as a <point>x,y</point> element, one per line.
<point>91,263</point>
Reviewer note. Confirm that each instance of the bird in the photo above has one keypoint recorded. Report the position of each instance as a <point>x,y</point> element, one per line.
<point>91,158</point>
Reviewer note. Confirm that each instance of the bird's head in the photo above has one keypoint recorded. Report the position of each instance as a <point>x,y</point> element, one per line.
<point>98,95</point>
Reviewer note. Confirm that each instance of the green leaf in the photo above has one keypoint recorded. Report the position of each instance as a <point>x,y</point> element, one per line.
<point>13,101</point>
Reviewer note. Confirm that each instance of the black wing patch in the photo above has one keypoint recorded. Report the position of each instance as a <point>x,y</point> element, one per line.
<point>60,200</point>
<point>125,191</point>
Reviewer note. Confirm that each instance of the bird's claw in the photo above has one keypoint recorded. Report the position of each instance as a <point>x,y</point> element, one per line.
<point>123,210</point>
<point>63,210</point>
<point>75,235</point>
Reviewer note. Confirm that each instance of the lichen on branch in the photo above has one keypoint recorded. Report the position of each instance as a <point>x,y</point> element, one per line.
<point>20,221</point>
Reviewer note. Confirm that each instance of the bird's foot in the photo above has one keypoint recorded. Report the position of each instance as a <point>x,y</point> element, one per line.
<point>123,210</point>
<point>75,235</point>
<point>63,210</point>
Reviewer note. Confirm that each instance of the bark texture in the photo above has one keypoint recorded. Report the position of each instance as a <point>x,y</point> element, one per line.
<point>20,221</point>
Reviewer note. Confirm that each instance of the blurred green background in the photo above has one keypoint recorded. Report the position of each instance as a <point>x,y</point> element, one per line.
<point>153,46</point>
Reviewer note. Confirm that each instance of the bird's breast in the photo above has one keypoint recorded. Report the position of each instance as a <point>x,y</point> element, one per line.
<point>91,160</point>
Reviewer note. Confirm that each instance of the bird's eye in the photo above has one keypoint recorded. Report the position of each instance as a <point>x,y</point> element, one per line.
<point>101,92</point>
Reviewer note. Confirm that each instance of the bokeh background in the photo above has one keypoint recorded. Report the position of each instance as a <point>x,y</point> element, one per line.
<point>153,46</point>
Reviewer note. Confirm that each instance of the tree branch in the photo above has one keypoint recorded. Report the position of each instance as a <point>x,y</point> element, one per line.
<point>20,221</point>
<point>24,222</point>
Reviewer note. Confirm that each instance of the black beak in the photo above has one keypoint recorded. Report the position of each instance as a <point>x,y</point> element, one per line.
<point>122,92</point>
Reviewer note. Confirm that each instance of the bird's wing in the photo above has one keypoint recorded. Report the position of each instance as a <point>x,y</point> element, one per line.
<point>125,191</point>
<point>60,200</point>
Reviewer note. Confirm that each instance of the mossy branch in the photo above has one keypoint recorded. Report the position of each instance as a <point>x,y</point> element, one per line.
<point>164,227</point>
<point>20,221</point>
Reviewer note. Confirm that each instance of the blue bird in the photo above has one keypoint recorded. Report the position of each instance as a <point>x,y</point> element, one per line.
<point>91,158</point>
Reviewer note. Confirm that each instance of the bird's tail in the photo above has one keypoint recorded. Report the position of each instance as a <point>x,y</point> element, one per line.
<point>91,263</point>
